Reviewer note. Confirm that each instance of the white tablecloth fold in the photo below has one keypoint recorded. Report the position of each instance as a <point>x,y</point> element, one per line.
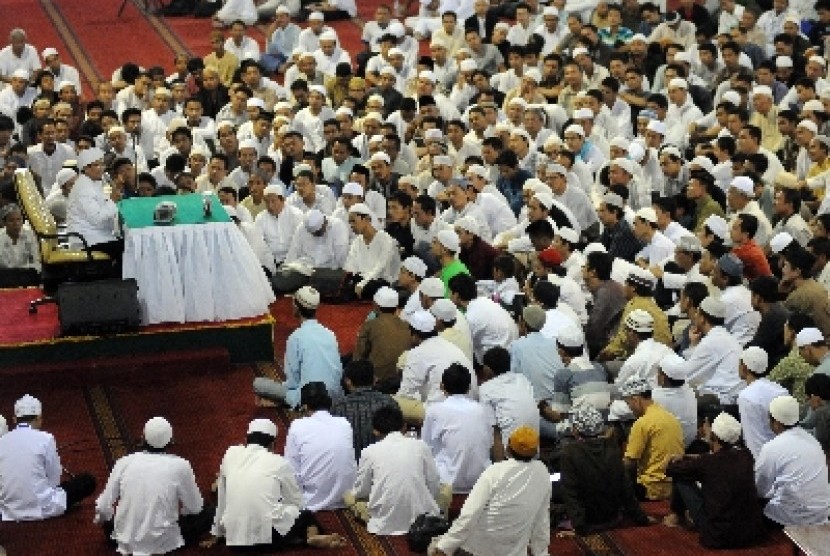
<point>196,272</point>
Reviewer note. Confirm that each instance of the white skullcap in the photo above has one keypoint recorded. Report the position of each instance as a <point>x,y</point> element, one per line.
<point>570,336</point>
<point>556,168</point>
<point>373,116</point>
<point>550,11</point>
<point>395,51</point>
<point>703,162</point>
<point>20,74</point>
<point>386,298</point>
<point>344,110</point>
<point>732,96</point>
<point>521,133</point>
<point>255,101</point>
<point>638,37</point>
<point>678,83</point>
<point>620,142</point>
<point>469,224</point>
<point>444,310</point>
<point>283,9</point>
<point>441,160</point>
<point>432,287</point>
<point>518,101</point>
<point>575,128</point>
<point>388,70</point>
<point>808,337</point>
<point>64,175</point>
<point>780,241</point>
<point>636,152</point>
<point>88,156</point>
<point>682,56</point>
<point>713,307</point>
<point>380,157</point>
<point>396,28</point>
<point>422,321</point>
<point>818,60</point>
<point>545,199</point>
<point>785,410</point>
<point>49,52</point>
<point>583,113</point>
<point>307,297</point>
<point>360,208</point>
<point>274,189</point>
<point>533,74</point>
<point>415,266</point>
<point>755,359</point>
<point>762,90</point>
<point>263,426</point>
<point>579,50</point>
<point>157,432</point>
<point>624,163</point>
<point>783,62</point>
<point>648,214</point>
<point>568,234</point>
<point>673,366</point>
<point>745,185</point>
<point>449,239</point>
<point>657,127</point>
<point>314,220</point>
<point>176,123</point>
<point>813,105</point>
<point>726,428</point>
<point>478,170</point>
<point>316,16</point>
<point>639,320</point>
<point>809,125</point>
<point>428,75</point>
<point>353,188</point>
<point>247,144</point>
<point>328,36</point>
<point>160,92</point>
<point>317,89</point>
<point>594,248</point>
<point>27,406</point>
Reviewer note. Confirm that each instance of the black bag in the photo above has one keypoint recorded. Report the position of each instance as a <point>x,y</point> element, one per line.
<point>422,531</point>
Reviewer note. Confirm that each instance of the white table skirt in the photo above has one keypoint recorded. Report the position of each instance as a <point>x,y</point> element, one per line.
<point>195,272</point>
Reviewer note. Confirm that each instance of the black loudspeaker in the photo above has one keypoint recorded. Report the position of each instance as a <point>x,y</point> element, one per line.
<point>100,307</point>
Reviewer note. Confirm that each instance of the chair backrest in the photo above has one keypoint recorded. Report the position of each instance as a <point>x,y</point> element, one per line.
<point>36,212</point>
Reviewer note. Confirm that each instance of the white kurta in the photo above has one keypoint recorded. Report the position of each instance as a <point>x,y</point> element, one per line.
<point>23,254</point>
<point>91,213</point>
<point>510,403</point>
<point>425,365</point>
<point>712,365</point>
<point>399,478</point>
<point>380,259</point>
<point>149,489</point>
<point>320,448</point>
<point>490,325</point>
<point>326,251</point>
<point>643,362</point>
<point>257,493</point>
<point>457,433</point>
<point>753,406</point>
<point>30,472</point>
<point>791,471</point>
<point>278,231</point>
<point>507,512</point>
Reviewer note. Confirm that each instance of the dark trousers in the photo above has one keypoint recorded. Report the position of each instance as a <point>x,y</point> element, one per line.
<point>687,496</point>
<point>193,526</point>
<point>295,538</point>
<point>115,249</point>
<point>77,488</point>
<point>369,289</point>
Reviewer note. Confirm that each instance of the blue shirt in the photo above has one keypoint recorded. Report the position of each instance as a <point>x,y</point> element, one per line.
<point>283,40</point>
<point>512,188</point>
<point>311,355</point>
<point>535,356</point>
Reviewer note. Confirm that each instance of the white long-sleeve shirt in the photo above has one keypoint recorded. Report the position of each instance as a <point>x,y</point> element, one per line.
<point>326,251</point>
<point>507,512</point>
<point>320,448</point>
<point>31,472</point>
<point>380,259</point>
<point>399,477</point>
<point>741,319</point>
<point>643,362</point>
<point>149,489</point>
<point>490,325</point>
<point>23,254</point>
<point>257,493</point>
<point>425,365</point>
<point>457,433</point>
<point>791,471</point>
<point>91,213</point>
<point>510,403</point>
<point>712,365</point>
<point>753,406</point>
<point>278,231</point>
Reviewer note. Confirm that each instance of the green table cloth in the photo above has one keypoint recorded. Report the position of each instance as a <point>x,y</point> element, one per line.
<point>137,212</point>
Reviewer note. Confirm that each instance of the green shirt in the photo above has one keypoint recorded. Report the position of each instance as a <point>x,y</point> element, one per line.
<point>454,268</point>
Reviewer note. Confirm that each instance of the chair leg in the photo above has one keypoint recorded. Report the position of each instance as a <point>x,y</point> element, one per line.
<point>41,301</point>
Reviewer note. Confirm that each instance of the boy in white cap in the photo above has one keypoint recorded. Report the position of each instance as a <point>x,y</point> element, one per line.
<point>796,488</point>
<point>717,491</point>
<point>258,486</point>
<point>384,338</point>
<point>445,248</point>
<point>31,469</point>
<point>675,395</point>
<point>754,400</point>
<point>311,355</point>
<point>423,366</point>
<point>159,507</point>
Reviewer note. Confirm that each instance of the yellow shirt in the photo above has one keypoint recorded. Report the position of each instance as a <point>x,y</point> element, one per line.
<point>654,438</point>
<point>253,208</point>
<point>771,138</point>
<point>226,65</point>
<point>816,169</point>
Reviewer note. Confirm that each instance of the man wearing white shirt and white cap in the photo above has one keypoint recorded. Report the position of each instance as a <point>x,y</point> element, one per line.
<point>713,358</point>
<point>318,247</point>
<point>373,260</point>
<point>645,352</point>
<point>424,365</point>
<point>674,394</point>
<point>61,71</point>
<point>452,325</point>
<point>754,400</point>
<point>813,347</point>
<point>258,486</point>
<point>278,222</point>
<point>413,270</point>
<point>490,324</point>
<point>682,111</point>
<point>159,507</point>
<point>92,213</point>
<point>18,55</point>
<point>741,199</point>
<point>17,95</point>
<point>658,247</point>
<point>796,488</point>
<point>31,489</point>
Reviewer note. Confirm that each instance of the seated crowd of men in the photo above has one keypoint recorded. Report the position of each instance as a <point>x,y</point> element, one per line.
<point>601,226</point>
